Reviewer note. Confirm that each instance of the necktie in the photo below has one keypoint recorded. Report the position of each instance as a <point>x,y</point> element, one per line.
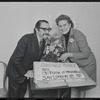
<point>42,46</point>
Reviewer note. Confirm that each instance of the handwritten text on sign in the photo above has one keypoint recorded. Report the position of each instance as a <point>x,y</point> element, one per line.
<point>56,71</point>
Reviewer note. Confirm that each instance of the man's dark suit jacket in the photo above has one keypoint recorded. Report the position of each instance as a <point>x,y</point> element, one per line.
<point>26,51</point>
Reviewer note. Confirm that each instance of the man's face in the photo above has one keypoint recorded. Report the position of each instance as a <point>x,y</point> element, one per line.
<point>64,26</point>
<point>43,30</point>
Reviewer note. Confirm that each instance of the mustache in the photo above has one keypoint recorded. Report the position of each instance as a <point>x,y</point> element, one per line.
<point>46,34</point>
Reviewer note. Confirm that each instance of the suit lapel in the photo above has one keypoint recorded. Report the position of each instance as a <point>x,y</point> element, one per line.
<point>71,35</point>
<point>36,42</point>
<point>35,47</point>
<point>38,51</point>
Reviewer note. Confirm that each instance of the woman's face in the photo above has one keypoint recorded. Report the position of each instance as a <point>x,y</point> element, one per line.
<point>64,26</point>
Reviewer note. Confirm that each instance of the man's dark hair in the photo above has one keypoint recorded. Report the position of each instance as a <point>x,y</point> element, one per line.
<point>38,24</point>
<point>64,17</point>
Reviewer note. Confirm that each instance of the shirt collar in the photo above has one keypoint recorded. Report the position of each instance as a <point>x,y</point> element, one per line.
<point>38,38</point>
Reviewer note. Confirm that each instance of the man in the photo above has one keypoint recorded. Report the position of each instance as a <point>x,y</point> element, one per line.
<point>20,65</point>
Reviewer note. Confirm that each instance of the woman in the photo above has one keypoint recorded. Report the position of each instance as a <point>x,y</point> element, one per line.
<point>77,50</point>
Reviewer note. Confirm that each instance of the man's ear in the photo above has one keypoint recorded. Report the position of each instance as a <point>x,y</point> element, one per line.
<point>36,29</point>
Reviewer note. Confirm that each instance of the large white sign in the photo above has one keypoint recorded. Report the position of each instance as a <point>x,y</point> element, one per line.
<point>54,75</point>
<point>45,71</point>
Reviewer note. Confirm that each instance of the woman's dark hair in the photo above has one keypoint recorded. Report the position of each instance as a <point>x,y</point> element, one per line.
<point>64,17</point>
<point>37,25</point>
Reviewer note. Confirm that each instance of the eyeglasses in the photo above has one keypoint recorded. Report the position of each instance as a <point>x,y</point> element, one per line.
<point>45,29</point>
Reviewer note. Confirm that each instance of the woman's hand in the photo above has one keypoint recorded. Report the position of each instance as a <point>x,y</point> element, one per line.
<point>64,56</point>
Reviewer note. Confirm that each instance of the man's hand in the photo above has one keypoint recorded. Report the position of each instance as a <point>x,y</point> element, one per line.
<point>29,74</point>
